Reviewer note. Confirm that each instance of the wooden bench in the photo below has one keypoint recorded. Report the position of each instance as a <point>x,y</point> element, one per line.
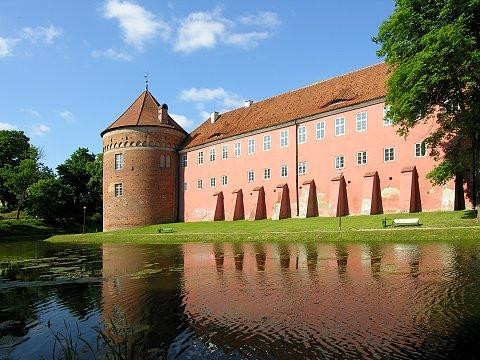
<point>406,222</point>
<point>165,230</point>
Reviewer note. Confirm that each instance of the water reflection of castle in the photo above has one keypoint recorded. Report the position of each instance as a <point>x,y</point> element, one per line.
<point>284,300</point>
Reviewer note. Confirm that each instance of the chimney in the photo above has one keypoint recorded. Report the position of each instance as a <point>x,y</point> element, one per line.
<point>163,114</point>
<point>248,103</point>
<point>213,117</point>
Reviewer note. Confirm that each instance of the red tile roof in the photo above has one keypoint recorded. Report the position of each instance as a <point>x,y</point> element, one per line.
<point>143,112</point>
<point>350,89</point>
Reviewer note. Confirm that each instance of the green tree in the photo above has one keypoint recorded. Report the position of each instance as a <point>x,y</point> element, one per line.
<point>14,147</point>
<point>50,200</point>
<point>94,185</point>
<point>433,49</point>
<point>17,179</point>
<point>74,172</point>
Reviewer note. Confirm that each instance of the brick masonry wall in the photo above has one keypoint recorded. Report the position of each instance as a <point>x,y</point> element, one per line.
<point>149,189</point>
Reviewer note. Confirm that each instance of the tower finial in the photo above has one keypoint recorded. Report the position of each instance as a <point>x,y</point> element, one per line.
<point>146,81</point>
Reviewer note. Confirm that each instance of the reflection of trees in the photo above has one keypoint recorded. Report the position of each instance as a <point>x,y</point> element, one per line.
<point>18,313</point>
<point>80,298</point>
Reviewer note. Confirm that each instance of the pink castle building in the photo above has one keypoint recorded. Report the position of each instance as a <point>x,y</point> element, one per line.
<point>327,149</point>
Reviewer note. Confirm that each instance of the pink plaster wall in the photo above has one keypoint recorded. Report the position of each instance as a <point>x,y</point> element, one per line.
<point>197,205</point>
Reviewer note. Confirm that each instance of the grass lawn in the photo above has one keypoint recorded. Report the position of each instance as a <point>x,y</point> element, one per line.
<point>436,226</point>
<point>13,229</point>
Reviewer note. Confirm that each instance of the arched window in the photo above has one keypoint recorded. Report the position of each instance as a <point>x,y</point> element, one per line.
<point>167,161</point>
<point>162,161</point>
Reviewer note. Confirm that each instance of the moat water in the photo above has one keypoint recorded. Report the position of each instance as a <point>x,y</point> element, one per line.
<point>242,301</point>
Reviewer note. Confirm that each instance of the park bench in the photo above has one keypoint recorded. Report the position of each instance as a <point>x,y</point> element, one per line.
<point>165,230</point>
<point>406,222</point>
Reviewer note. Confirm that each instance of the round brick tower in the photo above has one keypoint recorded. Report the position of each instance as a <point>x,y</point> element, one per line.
<point>140,166</point>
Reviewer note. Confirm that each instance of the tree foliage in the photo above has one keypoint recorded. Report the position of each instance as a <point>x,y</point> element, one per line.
<point>57,199</point>
<point>50,200</point>
<point>433,49</point>
<point>76,172</point>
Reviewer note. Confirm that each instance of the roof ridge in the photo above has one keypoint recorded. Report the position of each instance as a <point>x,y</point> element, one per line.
<point>128,108</point>
<point>143,104</point>
<point>307,86</point>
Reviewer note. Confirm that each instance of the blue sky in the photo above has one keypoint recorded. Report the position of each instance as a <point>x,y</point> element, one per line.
<point>70,68</point>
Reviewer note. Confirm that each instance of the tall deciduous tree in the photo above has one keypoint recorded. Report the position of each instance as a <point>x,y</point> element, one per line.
<point>14,147</point>
<point>74,172</point>
<point>19,178</point>
<point>433,49</point>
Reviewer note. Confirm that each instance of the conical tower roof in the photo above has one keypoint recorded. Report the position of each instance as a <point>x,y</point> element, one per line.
<point>143,112</point>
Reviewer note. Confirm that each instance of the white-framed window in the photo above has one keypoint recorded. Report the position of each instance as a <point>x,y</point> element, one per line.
<point>320,130</point>
<point>267,174</point>
<point>284,138</point>
<point>237,149</point>
<point>361,158</point>
<point>251,146</point>
<point>339,126</point>
<point>213,182</point>
<point>184,160</point>
<point>250,176</point>
<point>283,171</point>
<point>361,122</point>
<point>302,134</point>
<point>339,162</point>
<point>199,184</point>
<point>420,149</point>
<point>212,154</point>
<point>200,158</point>
<point>267,142</point>
<point>224,152</point>
<point>118,161</point>
<point>302,168</point>
<point>185,186</point>
<point>389,154</point>
<point>118,190</point>
<point>224,180</point>
<point>386,120</point>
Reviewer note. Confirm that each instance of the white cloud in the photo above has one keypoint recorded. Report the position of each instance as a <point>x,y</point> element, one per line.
<point>218,95</point>
<point>66,115</point>
<point>112,55</point>
<point>42,34</point>
<point>246,40</point>
<point>200,30</point>
<point>216,99</point>
<point>182,120</point>
<point>261,18</point>
<point>40,129</point>
<point>6,46</point>
<point>207,29</point>
<point>137,24</point>
<point>7,126</point>
<point>32,113</point>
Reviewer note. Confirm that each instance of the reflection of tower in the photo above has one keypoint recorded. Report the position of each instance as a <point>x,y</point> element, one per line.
<point>142,287</point>
<point>140,166</point>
